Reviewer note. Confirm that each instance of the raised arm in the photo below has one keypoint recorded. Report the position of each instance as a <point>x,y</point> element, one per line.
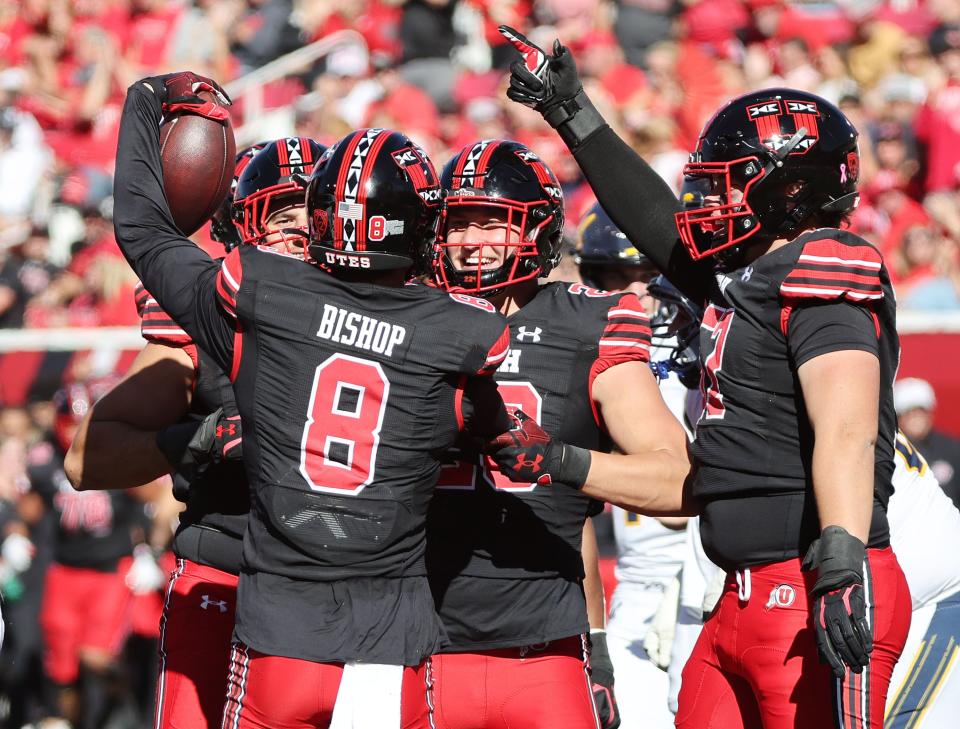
<point>633,194</point>
<point>178,273</point>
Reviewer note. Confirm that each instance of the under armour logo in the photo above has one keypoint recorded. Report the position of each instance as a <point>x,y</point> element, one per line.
<point>231,429</point>
<point>747,274</point>
<point>522,334</point>
<point>207,602</point>
<point>781,596</point>
<point>533,464</point>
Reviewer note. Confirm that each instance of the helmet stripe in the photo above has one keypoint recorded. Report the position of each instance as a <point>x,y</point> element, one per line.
<point>306,152</point>
<point>369,163</point>
<point>462,159</point>
<point>283,157</point>
<point>339,236</point>
<point>483,162</point>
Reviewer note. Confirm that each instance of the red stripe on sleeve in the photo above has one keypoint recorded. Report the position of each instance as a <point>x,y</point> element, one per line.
<point>497,353</point>
<point>829,269</point>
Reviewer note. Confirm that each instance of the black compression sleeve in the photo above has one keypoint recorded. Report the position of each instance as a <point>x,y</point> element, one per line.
<point>175,271</point>
<point>642,205</point>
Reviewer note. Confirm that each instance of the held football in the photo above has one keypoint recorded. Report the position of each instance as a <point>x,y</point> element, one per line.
<point>197,155</point>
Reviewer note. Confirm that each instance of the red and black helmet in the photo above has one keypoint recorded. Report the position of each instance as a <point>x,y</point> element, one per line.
<point>272,181</point>
<point>373,203</point>
<point>768,165</point>
<point>507,182</point>
<point>222,228</point>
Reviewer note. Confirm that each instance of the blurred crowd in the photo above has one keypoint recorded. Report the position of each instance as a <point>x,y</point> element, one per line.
<point>436,70</point>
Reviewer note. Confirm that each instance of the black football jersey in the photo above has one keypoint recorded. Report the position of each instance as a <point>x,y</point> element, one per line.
<point>93,528</point>
<point>504,558</point>
<point>827,290</point>
<point>217,504</point>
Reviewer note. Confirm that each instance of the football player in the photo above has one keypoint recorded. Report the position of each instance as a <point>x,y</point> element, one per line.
<point>504,558</point>
<point>176,405</point>
<point>350,385</point>
<point>86,609</point>
<point>924,530</point>
<point>794,450</point>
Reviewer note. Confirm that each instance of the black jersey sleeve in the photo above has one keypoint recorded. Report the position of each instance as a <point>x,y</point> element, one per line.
<point>820,328</point>
<point>180,276</point>
<point>642,205</point>
<point>480,409</point>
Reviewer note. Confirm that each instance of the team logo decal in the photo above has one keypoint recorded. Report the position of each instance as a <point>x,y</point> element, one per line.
<point>769,116</point>
<point>546,178</point>
<point>320,223</point>
<point>853,166</point>
<point>782,596</point>
<point>413,161</point>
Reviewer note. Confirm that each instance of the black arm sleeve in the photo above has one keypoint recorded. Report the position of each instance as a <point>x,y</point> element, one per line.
<point>816,329</point>
<point>642,205</point>
<point>176,272</point>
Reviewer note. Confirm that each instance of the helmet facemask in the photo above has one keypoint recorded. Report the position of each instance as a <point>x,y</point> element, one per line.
<point>716,197</point>
<point>500,245</point>
<point>254,213</point>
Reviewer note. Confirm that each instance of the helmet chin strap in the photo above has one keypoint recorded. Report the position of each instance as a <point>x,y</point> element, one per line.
<point>781,154</point>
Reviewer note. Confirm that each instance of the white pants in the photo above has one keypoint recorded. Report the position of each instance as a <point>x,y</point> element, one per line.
<point>641,687</point>
<point>925,687</point>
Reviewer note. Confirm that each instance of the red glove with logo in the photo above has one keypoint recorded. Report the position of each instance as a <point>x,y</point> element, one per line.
<point>180,92</point>
<point>528,454</point>
<point>195,446</point>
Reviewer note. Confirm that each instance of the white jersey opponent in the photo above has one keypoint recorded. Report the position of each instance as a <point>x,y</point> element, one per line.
<point>649,557</point>
<point>924,528</point>
<point>925,535</point>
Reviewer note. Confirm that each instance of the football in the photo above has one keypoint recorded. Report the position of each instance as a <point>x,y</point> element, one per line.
<point>197,155</point>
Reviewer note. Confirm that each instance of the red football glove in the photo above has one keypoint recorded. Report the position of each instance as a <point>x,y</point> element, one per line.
<point>179,92</point>
<point>528,454</point>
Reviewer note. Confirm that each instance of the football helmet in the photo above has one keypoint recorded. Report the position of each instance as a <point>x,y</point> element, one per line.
<point>601,245</point>
<point>373,203</point>
<point>676,326</point>
<point>222,228</point>
<point>271,181</point>
<point>72,403</point>
<point>502,181</point>
<point>767,165</point>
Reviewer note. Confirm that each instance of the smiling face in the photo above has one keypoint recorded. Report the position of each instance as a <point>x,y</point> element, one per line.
<point>480,237</point>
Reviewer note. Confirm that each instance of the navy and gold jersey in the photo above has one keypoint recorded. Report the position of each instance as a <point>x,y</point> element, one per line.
<point>219,500</point>
<point>504,558</point>
<point>828,290</point>
<point>347,392</point>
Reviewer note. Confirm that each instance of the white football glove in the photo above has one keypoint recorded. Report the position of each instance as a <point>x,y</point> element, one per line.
<point>144,575</point>
<point>658,642</point>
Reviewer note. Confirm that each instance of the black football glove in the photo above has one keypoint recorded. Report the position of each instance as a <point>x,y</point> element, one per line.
<point>601,680</point>
<point>551,85</point>
<point>844,637</point>
<point>528,454</point>
<point>192,448</point>
<point>179,92</point>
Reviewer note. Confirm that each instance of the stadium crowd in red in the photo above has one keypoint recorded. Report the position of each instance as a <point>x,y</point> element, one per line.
<point>436,70</point>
